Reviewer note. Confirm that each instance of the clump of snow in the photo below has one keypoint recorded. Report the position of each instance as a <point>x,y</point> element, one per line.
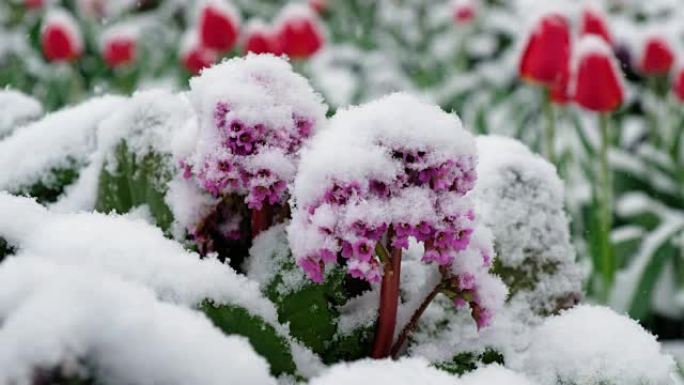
<point>80,320</point>
<point>494,375</point>
<point>407,371</point>
<point>61,139</point>
<point>594,345</point>
<point>16,109</point>
<point>520,198</point>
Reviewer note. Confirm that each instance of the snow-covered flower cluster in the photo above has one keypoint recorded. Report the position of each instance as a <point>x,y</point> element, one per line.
<point>254,114</point>
<point>393,169</point>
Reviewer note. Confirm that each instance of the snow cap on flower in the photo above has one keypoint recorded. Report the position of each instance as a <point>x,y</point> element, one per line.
<point>597,80</point>
<point>260,38</point>
<point>218,24</point>
<point>193,56</point>
<point>119,45</point>
<point>60,36</point>
<point>594,22</point>
<point>250,136</point>
<point>546,57</point>
<point>299,30</point>
<point>397,162</point>
<point>657,56</point>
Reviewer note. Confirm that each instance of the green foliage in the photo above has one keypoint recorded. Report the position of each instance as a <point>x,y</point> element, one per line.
<point>467,362</point>
<point>50,187</point>
<point>263,337</point>
<point>135,181</point>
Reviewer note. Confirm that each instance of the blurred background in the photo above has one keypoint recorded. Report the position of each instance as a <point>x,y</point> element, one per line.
<point>465,55</point>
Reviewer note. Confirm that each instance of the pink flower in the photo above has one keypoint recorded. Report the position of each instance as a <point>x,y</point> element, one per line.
<point>313,268</point>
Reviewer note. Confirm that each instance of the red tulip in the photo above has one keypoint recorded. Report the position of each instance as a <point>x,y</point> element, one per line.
<point>299,32</point>
<point>60,37</point>
<point>261,39</point>
<point>597,84</point>
<point>119,48</point>
<point>33,4</point>
<point>678,86</point>
<point>463,11</point>
<point>318,5</point>
<point>594,23</point>
<point>218,25</point>
<point>546,57</point>
<point>194,56</point>
<point>657,57</point>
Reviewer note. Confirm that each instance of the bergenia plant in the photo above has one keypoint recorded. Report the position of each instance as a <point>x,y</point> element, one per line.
<point>383,174</point>
<point>248,141</point>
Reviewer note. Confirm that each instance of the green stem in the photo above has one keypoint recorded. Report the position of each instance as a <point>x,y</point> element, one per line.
<point>605,209</point>
<point>549,129</point>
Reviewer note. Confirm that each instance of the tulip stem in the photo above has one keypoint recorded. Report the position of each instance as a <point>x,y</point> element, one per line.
<point>605,209</point>
<point>389,302</point>
<point>549,128</point>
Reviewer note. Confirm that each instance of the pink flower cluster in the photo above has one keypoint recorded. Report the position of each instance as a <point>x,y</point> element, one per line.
<point>348,226</point>
<point>235,166</point>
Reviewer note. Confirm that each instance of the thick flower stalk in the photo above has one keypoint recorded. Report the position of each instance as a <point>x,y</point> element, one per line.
<point>383,173</point>
<point>249,137</point>
<point>598,87</point>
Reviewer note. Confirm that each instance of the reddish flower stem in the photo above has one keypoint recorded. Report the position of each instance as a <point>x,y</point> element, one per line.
<point>261,219</point>
<point>389,300</point>
<point>413,322</point>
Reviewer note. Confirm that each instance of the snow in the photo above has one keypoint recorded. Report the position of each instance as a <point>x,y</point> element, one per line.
<point>64,138</point>
<point>494,375</point>
<point>115,331</point>
<point>520,198</point>
<point>406,371</point>
<point>591,345</point>
<point>16,109</point>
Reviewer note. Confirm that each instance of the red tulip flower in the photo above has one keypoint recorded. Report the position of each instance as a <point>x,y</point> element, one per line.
<point>33,4</point>
<point>464,11</point>
<point>597,83</point>
<point>219,24</point>
<point>299,31</point>
<point>594,23</point>
<point>546,57</point>
<point>119,47</point>
<point>678,86</point>
<point>195,57</point>
<point>260,38</point>
<point>60,37</point>
<point>318,5</point>
<point>657,57</point>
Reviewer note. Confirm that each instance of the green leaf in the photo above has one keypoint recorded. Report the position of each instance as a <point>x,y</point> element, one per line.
<point>263,337</point>
<point>467,362</point>
<point>135,182</point>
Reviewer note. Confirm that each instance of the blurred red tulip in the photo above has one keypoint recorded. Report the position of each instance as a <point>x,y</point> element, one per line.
<point>546,57</point>
<point>218,25</point>
<point>299,32</point>
<point>193,56</point>
<point>678,86</point>
<point>597,84</point>
<point>657,57</point>
<point>318,5</point>
<point>60,37</point>
<point>33,4</point>
<point>119,50</point>
<point>464,11</point>
<point>261,39</point>
<point>594,23</point>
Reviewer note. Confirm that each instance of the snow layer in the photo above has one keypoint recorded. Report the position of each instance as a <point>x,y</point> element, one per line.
<point>58,140</point>
<point>594,345</point>
<point>520,198</point>
<point>17,108</point>
<point>407,371</point>
<point>77,319</point>
<point>495,375</point>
